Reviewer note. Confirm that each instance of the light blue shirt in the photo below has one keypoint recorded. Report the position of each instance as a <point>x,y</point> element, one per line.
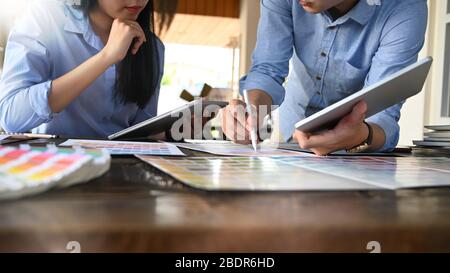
<point>332,60</point>
<point>50,40</point>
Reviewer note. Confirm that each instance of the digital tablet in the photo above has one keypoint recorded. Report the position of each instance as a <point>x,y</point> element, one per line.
<point>163,122</point>
<point>380,96</point>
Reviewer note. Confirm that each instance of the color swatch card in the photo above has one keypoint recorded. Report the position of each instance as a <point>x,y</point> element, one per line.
<point>305,173</point>
<point>231,149</point>
<point>127,147</point>
<point>384,172</point>
<point>26,171</point>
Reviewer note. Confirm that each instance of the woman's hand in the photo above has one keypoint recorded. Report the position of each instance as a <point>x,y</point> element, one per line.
<point>121,37</point>
<point>350,132</point>
<point>68,87</point>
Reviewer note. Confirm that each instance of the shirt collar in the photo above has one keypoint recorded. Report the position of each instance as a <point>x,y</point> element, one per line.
<point>77,22</point>
<point>361,13</point>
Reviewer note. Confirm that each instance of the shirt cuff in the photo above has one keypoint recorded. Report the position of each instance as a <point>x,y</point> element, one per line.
<point>391,130</point>
<point>38,95</point>
<point>257,80</point>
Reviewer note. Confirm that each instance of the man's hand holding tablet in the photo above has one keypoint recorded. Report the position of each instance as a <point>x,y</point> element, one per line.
<point>342,126</point>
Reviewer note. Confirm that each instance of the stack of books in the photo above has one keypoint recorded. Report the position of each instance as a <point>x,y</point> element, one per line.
<point>436,136</point>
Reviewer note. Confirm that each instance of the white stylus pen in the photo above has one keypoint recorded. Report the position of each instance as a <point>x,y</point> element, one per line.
<point>253,134</point>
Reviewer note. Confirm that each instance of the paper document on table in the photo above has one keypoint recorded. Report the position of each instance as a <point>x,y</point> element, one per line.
<point>231,149</point>
<point>128,147</point>
<point>296,147</point>
<point>305,173</point>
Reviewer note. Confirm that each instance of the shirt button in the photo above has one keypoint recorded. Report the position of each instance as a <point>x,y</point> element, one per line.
<point>319,93</point>
<point>318,78</point>
<point>332,27</point>
<point>323,54</point>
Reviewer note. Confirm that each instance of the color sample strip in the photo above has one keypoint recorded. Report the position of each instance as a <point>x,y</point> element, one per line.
<point>306,173</point>
<point>231,149</point>
<point>128,148</point>
<point>30,171</point>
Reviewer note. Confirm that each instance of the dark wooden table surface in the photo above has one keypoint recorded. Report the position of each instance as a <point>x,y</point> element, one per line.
<point>135,208</point>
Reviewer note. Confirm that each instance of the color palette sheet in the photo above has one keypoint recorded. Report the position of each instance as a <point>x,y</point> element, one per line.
<point>127,147</point>
<point>231,149</point>
<point>306,173</point>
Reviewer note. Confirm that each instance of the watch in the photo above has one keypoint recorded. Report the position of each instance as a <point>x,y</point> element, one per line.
<point>365,145</point>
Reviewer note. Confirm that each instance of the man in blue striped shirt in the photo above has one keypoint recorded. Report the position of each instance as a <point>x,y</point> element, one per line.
<point>336,48</point>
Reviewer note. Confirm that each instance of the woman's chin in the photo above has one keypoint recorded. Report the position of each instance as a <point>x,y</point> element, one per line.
<point>128,16</point>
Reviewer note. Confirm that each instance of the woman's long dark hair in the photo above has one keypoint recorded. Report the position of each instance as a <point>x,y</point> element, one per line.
<point>138,75</point>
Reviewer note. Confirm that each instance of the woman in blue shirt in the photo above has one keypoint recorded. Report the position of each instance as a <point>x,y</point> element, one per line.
<point>87,70</point>
<point>337,47</point>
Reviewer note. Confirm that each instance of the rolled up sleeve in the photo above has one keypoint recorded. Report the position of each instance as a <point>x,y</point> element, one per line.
<point>274,49</point>
<point>25,85</point>
<point>388,121</point>
<point>402,39</point>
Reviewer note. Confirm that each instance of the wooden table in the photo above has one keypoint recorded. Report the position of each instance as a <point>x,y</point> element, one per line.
<point>135,208</point>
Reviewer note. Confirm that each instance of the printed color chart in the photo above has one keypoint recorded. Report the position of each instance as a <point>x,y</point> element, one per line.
<point>231,149</point>
<point>127,147</point>
<point>306,173</point>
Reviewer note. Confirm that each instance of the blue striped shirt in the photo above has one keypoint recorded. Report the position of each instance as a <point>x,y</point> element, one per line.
<point>333,59</point>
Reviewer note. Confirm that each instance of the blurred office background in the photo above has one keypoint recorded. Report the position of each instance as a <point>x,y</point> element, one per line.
<point>211,41</point>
